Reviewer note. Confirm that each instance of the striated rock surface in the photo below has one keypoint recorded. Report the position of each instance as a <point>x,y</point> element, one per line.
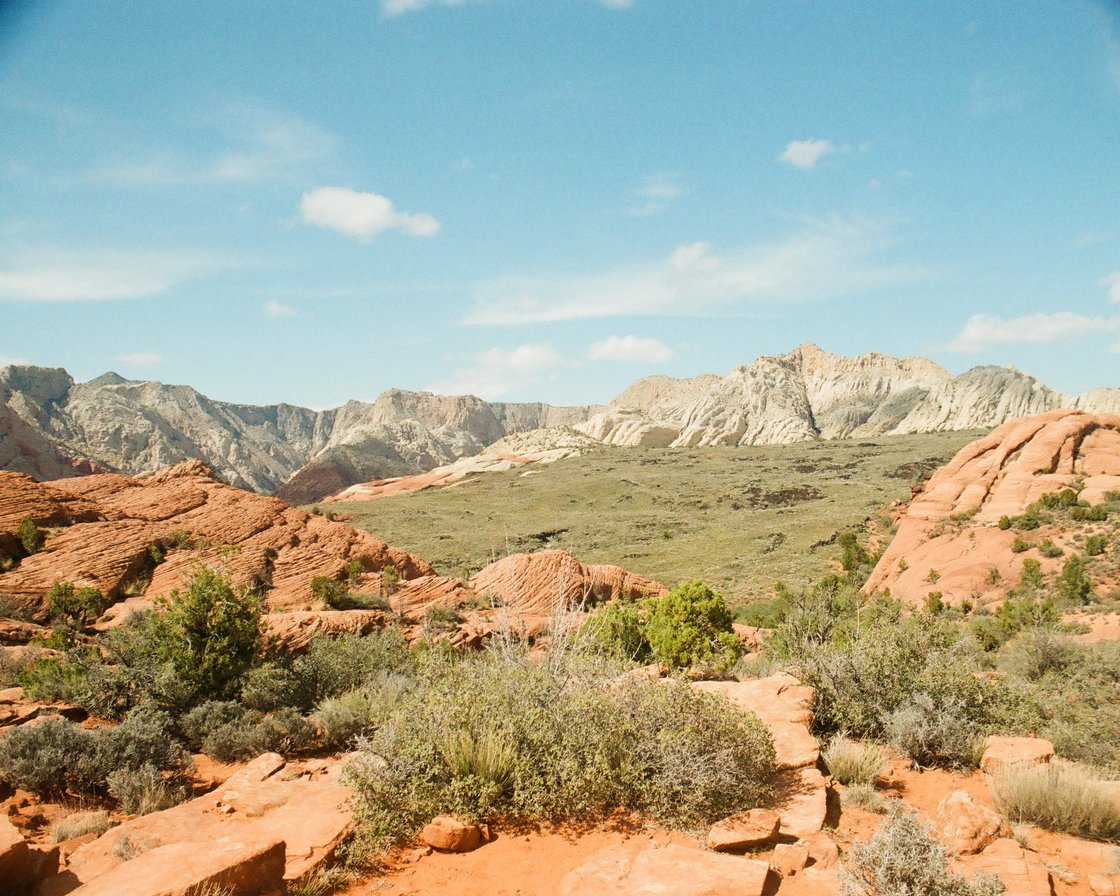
<point>541,583</point>
<point>950,527</point>
<point>108,527</point>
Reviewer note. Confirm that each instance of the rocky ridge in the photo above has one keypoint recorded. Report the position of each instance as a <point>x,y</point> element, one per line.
<point>949,537</point>
<point>51,426</point>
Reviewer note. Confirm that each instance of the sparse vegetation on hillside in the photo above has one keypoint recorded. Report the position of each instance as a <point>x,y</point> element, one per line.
<point>738,518</point>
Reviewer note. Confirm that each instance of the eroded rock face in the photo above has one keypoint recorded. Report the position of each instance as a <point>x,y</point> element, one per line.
<point>301,807</point>
<point>810,394</point>
<point>950,527</point>
<point>110,524</point>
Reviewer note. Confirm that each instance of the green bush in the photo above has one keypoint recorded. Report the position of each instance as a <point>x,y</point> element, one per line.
<point>330,591</point>
<point>30,535</point>
<point>1073,585</point>
<point>83,605</point>
<point>688,627</point>
<point>145,789</point>
<point>489,736</point>
<point>1030,575</point>
<point>269,686</point>
<point>252,733</point>
<point>439,618</point>
<point>1095,545</point>
<point>905,859</point>
<point>1018,546</point>
<point>210,633</point>
<point>341,720</point>
<point>1047,548</point>
<point>334,666</point>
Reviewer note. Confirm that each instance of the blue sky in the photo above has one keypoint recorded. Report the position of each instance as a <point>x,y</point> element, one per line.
<point>546,199</point>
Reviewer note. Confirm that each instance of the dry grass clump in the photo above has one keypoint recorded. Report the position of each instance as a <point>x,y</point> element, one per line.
<point>851,762</point>
<point>865,796</point>
<point>79,825</point>
<point>1060,796</point>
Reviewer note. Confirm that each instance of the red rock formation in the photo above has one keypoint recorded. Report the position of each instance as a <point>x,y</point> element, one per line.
<point>109,522</point>
<point>950,528</point>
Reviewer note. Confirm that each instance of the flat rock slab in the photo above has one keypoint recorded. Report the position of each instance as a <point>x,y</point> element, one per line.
<point>785,707</point>
<point>745,830</point>
<point>184,869</point>
<point>15,856</point>
<point>671,870</point>
<point>1000,752</point>
<point>802,803</point>
<point>1022,872</point>
<point>265,802</point>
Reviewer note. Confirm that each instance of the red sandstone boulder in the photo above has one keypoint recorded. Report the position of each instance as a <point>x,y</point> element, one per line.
<point>1000,752</point>
<point>745,830</point>
<point>447,833</point>
<point>965,826</point>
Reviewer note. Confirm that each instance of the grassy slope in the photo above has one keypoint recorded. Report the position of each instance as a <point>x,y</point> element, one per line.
<point>739,518</point>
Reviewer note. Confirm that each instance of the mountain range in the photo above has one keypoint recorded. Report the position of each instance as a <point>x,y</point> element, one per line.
<point>52,426</point>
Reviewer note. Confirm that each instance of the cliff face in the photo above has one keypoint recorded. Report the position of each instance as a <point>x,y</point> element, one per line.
<point>51,427</point>
<point>811,394</point>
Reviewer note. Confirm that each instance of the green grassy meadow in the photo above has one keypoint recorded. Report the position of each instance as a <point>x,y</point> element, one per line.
<point>741,519</point>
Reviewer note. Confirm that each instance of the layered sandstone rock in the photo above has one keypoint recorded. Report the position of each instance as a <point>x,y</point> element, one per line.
<point>950,527</point>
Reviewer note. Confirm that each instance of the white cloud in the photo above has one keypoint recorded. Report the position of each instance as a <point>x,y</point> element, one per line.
<point>399,7</point>
<point>1111,282</point>
<point>496,372</point>
<point>361,215</point>
<point>276,309</point>
<point>630,348</point>
<point>140,359</point>
<point>657,192</point>
<point>62,276</point>
<point>805,153</point>
<point>263,146</point>
<point>982,331</point>
<point>825,260</point>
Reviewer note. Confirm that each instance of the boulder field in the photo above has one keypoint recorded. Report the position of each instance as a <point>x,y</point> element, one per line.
<point>949,539</point>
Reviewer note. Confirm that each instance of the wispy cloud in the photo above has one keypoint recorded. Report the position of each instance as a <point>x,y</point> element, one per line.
<point>263,145</point>
<point>806,153</point>
<point>393,8</point>
<point>825,260</point>
<point>361,215</point>
<point>1111,282</point>
<point>627,349</point>
<point>984,331</point>
<point>69,276</point>
<point>656,193</point>
<point>140,359</point>
<point>277,309</point>
<point>497,371</point>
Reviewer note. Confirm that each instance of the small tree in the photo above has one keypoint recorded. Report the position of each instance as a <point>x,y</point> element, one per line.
<point>29,535</point>
<point>691,626</point>
<point>211,633</point>
<point>1073,584</point>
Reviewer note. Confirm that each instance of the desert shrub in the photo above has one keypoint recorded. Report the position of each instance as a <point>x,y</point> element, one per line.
<point>145,789</point>
<point>210,633</point>
<point>342,719</point>
<point>853,556</point>
<point>330,591</point>
<point>30,536</point>
<point>58,678</point>
<point>905,859</point>
<point>334,666</point>
<point>269,686</point>
<point>352,571</point>
<point>12,665</point>
<point>865,796</point>
<point>1030,575</point>
<point>1058,796</point>
<point>851,762</point>
<point>490,735</point>
<point>82,605</point>
<point>208,717</point>
<point>1014,615</point>
<point>691,626</point>
<point>1095,514</point>
<point>1019,545</point>
<point>937,730</point>
<point>145,737</point>
<point>49,758</point>
<point>1073,585</point>
<point>439,618</point>
<point>390,579</point>
<point>617,628</point>
<point>1095,545</point>
<point>1047,548</point>
<point>79,825</point>
<point>1029,519</point>
<point>362,601</point>
<point>252,733</point>
<point>1005,522</point>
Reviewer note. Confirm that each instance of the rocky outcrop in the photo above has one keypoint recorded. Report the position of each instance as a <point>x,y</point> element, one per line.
<point>682,870</point>
<point>271,821</point>
<point>810,394</point>
<point>134,538</point>
<point>51,427</point>
<point>948,538</point>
